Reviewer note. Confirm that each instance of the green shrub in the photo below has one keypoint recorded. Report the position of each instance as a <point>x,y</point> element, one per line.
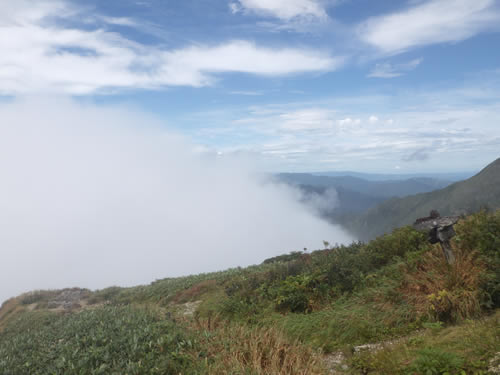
<point>299,294</point>
<point>384,249</point>
<point>104,295</point>
<point>346,267</point>
<point>293,255</point>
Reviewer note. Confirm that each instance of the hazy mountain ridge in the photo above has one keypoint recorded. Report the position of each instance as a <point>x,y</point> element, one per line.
<point>463,197</point>
<point>345,201</point>
<point>382,189</point>
<point>454,176</point>
<point>339,199</point>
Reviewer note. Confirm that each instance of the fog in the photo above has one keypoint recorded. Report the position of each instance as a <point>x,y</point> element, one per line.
<point>94,196</point>
<point>323,203</point>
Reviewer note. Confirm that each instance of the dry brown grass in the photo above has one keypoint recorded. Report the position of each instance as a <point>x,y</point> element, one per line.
<point>9,309</point>
<point>239,349</point>
<point>443,291</point>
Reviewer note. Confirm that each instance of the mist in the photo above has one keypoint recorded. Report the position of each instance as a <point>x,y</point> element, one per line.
<point>94,196</point>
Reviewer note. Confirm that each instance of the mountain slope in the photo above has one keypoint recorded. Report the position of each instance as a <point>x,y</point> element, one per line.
<point>375,308</point>
<point>479,191</point>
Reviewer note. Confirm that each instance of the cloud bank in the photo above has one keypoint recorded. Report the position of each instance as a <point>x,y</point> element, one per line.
<point>95,196</point>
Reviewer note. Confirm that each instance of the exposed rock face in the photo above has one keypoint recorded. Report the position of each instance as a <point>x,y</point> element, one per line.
<point>68,299</point>
<point>440,229</point>
<point>494,364</point>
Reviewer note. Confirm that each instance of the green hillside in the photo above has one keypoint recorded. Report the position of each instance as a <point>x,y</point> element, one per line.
<point>392,306</point>
<point>471,195</point>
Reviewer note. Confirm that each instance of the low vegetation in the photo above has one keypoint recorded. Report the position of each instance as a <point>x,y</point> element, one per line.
<point>283,316</point>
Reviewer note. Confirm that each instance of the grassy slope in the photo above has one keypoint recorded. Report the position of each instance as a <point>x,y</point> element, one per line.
<point>466,196</point>
<point>276,318</point>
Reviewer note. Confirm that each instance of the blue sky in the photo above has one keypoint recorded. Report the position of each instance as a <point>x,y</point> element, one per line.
<point>299,85</point>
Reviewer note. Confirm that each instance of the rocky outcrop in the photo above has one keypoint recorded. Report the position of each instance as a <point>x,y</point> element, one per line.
<point>68,299</point>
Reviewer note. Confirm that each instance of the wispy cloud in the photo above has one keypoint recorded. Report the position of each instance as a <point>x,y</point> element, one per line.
<point>304,16</point>
<point>430,22</point>
<point>285,10</point>
<point>306,119</point>
<point>388,70</point>
<point>247,93</point>
<point>421,154</point>
<point>39,54</point>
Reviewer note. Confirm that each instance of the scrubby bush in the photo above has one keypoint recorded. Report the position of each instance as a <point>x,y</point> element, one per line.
<point>300,293</point>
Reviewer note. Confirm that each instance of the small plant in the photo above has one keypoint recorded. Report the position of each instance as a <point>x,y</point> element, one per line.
<point>435,327</point>
<point>431,361</point>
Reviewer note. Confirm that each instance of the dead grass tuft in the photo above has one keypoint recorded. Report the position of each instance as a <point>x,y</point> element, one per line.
<point>238,349</point>
<point>442,291</point>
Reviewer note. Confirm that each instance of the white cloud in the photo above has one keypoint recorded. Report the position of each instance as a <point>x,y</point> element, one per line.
<point>345,131</point>
<point>348,122</point>
<point>285,10</point>
<point>430,22</point>
<point>246,57</point>
<point>388,70</point>
<point>234,7</point>
<point>306,119</point>
<point>39,56</point>
<point>121,21</point>
<point>94,196</point>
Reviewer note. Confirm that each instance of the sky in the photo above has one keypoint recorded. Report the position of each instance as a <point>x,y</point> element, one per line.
<point>299,85</point>
<point>134,133</point>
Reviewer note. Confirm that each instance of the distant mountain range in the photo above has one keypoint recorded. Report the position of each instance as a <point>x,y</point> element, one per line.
<point>473,194</point>
<point>373,188</point>
<point>337,198</point>
<point>457,176</point>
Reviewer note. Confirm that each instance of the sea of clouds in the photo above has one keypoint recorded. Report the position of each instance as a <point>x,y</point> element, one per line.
<point>94,196</point>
